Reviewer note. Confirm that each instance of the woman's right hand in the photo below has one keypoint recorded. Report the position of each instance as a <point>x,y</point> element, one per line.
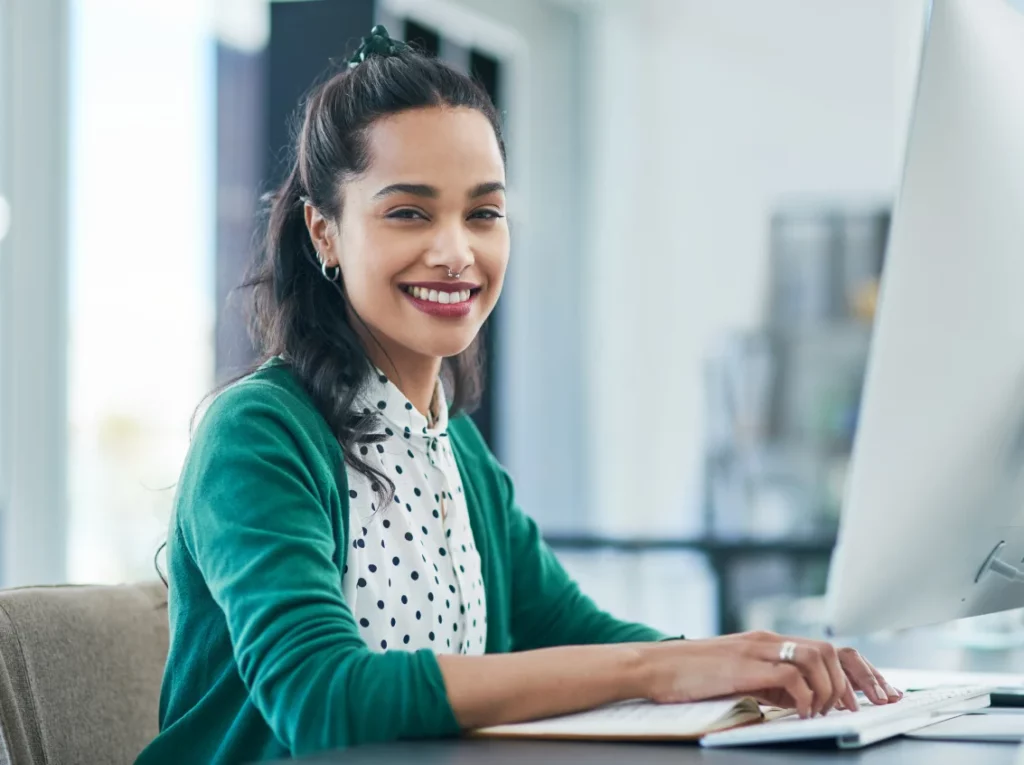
<point>819,677</point>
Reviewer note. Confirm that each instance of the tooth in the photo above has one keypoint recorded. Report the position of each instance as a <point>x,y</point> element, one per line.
<point>432,296</point>
<point>421,293</point>
<point>442,297</point>
<point>465,295</point>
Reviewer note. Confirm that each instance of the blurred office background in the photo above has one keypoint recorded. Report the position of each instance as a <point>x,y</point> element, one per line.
<point>699,194</point>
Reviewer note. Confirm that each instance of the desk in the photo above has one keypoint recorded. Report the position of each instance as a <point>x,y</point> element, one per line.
<point>894,752</point>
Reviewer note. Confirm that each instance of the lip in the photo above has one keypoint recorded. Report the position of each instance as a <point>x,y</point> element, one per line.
<point>443,310</point>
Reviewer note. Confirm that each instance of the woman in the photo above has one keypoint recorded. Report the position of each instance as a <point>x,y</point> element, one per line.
<point>346,560</point>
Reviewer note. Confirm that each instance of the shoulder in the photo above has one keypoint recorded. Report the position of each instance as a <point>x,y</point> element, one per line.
<point>269,405</point>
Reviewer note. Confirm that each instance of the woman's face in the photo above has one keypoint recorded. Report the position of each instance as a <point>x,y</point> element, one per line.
<point>432,199</point>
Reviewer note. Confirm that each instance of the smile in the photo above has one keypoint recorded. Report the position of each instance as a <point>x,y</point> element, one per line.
<point>442,299</point>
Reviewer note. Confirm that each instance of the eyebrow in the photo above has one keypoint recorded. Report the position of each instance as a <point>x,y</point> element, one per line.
<point>431,192</point>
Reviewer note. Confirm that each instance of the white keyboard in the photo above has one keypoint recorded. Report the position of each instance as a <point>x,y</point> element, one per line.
<point>869,724</point>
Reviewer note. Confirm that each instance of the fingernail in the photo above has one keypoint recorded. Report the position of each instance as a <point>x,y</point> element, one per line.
<point>893,693</point>
<point>879,692</point>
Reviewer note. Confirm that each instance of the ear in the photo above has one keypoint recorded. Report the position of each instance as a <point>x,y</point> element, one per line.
<point>322,233</point>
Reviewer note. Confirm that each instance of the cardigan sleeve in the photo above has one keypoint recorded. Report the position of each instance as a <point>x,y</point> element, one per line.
<point>255,516</point>
<point>547,606</point>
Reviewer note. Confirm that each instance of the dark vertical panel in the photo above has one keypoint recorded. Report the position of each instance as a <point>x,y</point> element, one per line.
<point>426,39</point>
<point>305,39</point>
<point>240,161</point>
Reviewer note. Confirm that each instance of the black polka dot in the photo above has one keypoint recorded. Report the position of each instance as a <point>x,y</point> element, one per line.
<point>463,548</point>
<point>408,507</point>
<point>395,560</point>
<point>430,597</point>
<point>462,569</point>
<point>452,588</point>
<point>419,614</point>
<point>417,492</point>
<point>363,450</point>
<point>415,575</point>
<point>355,544</point>
<point>380,449</point>
<point>406,640</point>
<point>424,529</point>
<point>405,600</point>
<point>449,642</point>
<point>393,622</point>
<point>383,379</point>
<point>474,622</point>
<point>398,469</point>
<point>447,604</point>
<point>375,487</point>
<point>361,582</point>
<point>387,523</point>
<point>407,433</point>
<point>462,609</point>
<point>365,532</point>
<point>361,543</point>
<point>397,500</point>
<point>436,568</point>
<point>383,643</point>
<point>389,582</point>
<point>441,551</point>
<point>437,498</point>
<point>352,493</point>
<point>455,627</point>
<point>436,514</point>
<point>366,410</point>
<point>364,622</point>
<point>436,580</point>
<point>408,536</point>
<point>412,457</point>
<point>380,604</point>
<point>372,567</point>
<point>382,543</point>
<point>408,406</point>
<point>448,534</point>
<point>381,404</point>
<point>389,432</point>
<point>479,602</point>
<point>431,636</point>
<point>439,619</point>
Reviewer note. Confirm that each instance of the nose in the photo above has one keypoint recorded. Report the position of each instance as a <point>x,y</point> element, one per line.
<point>451,248</point>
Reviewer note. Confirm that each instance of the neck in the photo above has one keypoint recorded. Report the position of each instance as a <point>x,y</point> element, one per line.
<point>414,374</point>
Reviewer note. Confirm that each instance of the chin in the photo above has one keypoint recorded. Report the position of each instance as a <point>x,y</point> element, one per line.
<point>444,347</point>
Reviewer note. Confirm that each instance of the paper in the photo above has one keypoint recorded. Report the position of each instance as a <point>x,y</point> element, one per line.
<point>639,719</point>
<point>975,727</point>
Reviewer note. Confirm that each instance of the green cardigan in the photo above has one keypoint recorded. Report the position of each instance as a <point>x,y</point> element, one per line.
<point>265,659</point>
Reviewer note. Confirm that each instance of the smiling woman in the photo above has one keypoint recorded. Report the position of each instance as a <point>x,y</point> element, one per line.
<point>344,548</point>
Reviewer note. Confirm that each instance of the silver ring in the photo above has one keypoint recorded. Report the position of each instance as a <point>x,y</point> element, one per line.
<point>788,651</point>
<point>453,275</point>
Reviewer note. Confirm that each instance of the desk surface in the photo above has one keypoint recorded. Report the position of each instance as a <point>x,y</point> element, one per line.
<point>894,752</point>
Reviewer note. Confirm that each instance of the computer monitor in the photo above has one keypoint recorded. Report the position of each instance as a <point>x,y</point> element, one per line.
<point>932,526</point>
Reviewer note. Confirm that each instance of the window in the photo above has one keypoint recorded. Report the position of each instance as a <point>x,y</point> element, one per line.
<point>141,306</point>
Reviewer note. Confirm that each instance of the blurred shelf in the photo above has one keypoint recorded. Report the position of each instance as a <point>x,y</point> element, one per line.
<point>797,546</point>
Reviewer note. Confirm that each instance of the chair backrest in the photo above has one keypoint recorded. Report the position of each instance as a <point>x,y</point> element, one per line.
<point>80,672</point>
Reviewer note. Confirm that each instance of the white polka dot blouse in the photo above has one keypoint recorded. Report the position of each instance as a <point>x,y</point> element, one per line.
<point>412,576</point>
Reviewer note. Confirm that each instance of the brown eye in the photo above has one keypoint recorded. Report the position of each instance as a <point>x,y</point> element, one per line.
<point>406,213</point>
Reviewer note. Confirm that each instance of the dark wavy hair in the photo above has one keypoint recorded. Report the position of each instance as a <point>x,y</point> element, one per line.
<point>298,314</point>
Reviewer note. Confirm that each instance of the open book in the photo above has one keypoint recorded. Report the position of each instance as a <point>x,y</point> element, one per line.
<point>642,721</point>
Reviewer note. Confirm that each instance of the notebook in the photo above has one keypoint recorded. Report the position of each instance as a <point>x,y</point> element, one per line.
<point>642,721</point>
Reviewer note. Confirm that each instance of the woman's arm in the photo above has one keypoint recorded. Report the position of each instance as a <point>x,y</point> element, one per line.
<point>500,689</point>
<point>505,688</point>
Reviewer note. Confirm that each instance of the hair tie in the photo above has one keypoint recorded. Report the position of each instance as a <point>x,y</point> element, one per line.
<point>377,43</point>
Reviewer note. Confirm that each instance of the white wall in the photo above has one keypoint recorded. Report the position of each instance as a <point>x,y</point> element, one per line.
<point>703,116</point>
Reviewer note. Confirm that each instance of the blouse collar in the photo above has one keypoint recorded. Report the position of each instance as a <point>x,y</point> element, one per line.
<point>384,397</point>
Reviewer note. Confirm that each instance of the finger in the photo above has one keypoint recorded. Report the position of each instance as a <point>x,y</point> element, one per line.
<point>861,675</point>
<point>794,682</point>
<point>808,660</point>
<point>893,693</point>
<point>842,691</point>
<point>779,683</point>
